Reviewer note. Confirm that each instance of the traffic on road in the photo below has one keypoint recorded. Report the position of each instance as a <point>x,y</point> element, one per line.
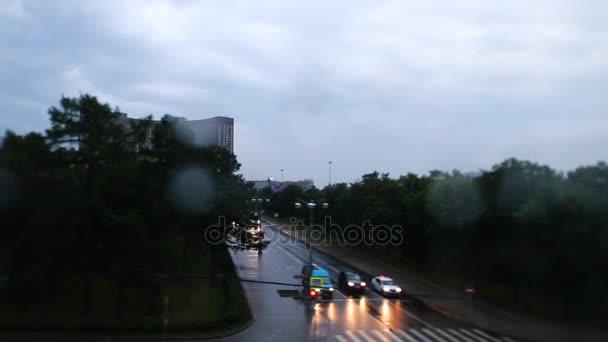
<point>336,302</point>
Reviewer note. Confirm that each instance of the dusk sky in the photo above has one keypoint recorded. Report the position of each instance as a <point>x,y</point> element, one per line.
<point>393,86</point>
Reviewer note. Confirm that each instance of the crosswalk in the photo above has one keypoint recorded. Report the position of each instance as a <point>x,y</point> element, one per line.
<point>420,335</point>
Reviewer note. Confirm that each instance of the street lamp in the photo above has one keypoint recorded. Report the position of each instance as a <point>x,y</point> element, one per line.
<point>282,175</point>
<point>311,209</point>
<point>257,202</point>
<point>330,162</point>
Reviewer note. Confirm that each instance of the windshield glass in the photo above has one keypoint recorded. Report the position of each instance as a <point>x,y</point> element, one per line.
<point>387,282</point>
<point>353,277</point>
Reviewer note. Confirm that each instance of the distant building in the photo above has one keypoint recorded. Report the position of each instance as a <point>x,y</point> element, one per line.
<point>218,130</point>
<point>305,184</point>
<point>259,184</point>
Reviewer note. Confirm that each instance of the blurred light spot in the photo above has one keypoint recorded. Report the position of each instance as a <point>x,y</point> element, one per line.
<point>191,191</point>
<point>455,201</point>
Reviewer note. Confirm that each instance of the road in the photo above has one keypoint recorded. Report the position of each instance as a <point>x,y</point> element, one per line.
<point>369,318</point>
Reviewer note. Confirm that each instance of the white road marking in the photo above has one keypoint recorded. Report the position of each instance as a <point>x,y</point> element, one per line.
<point>486,335</point>
<point>341,339</point>
<point>380,336</point>
<point>419,335</point>
<point>428,325</point>
<point>473,336</point>
<point>432,334</point>
<point>352,336</point>
<point>461,336</point>
<point>406,335</point>
<point>365,336</point>
<point>291,255</point>
<point>446,335</point>
<point>391,334</point>
<point>508,339</point>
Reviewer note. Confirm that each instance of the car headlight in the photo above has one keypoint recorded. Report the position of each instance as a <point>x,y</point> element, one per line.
<point>363,283</point>
<point>386,289</point>
<point>350,283</point>
<point>398,289</point>
<point>331,289</point>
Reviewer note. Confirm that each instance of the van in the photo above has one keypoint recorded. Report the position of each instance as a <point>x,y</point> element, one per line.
<point>316,278</point>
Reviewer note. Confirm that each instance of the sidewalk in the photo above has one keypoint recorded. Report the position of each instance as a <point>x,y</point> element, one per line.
<point>453,303</point>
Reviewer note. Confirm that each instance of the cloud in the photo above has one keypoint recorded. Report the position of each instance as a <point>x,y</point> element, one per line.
<point>392,85</point>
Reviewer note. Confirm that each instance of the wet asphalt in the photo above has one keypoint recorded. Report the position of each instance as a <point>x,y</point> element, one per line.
<point>370,317</point>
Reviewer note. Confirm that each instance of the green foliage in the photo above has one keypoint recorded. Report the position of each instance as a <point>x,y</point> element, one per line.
<point>91,198</point>
<point>521,231</point>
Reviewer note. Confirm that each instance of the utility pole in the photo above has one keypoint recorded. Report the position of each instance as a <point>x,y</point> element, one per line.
<point>311,207</point>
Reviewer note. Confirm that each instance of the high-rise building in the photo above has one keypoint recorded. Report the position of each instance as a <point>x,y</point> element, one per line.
<point>218,130</point>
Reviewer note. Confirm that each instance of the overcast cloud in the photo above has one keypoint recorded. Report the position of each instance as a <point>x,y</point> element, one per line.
<point>393,86</point>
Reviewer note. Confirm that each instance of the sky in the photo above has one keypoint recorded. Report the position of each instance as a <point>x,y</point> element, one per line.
<point>393,86</point>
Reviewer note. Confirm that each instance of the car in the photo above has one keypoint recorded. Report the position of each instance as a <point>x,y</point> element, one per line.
<point>317,280</point>
<point>351,283</point>
<point>254,219</point>
<point>386,286</point>
<point>254,233</point>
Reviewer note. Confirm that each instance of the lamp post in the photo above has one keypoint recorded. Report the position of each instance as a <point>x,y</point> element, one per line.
<point>257,202</point>
<point>311,209</point>
<point>330,162</point>
<point>282,175</point>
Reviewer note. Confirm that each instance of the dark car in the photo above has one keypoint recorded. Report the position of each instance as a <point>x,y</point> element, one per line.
<point>254,219</point>
<point>351,283</point>
<point>253,233</point>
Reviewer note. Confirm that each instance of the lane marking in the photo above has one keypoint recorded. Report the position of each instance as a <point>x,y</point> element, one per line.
<point>365,336</point>
<point>432,334</point>
<point>419,335</point>
<point>508,339</point>
<point>352,336</point>
<point>473,336</point>
<point>380,336</point>
<point>461,336</point>
<point>341,339</point>
<point>428,325</point>
<point>480,332</point>
<point>406,335</point>
<point>293,257</point>
<point>446,335</point>
<point>391,334</point>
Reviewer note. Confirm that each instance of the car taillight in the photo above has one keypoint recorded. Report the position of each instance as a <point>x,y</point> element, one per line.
<point>312,293</point>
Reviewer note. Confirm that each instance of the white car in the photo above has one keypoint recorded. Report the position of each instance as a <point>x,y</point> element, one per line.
<point>386,286</point>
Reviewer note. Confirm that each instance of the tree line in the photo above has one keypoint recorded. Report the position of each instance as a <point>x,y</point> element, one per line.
<point>530,237</point>
<point>101,195</point>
